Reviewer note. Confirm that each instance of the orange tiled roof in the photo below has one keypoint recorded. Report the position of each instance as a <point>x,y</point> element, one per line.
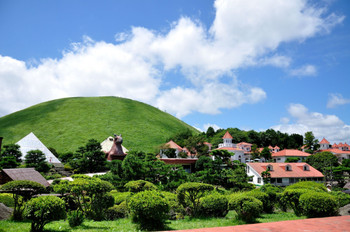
<point>227,136</point>
<point>290,152</point>
<point>276,147</point>
<point>279,170</point>
<point>324,141</point>
<point>173,145</point>
<point>244,143</point>
<point>337,151</point>
<point>229,149</point>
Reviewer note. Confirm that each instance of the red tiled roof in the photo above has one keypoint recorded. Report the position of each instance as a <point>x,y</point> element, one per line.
<point>173,145</point>
<point>244,143</point>
<point>276,147</point>
<point>179,160</point>
<point>227,136</point>
<point>290,152</point>
<point>337,151</point>
<point>229,149</point>
<point>270,147</point>
<point>324,141</point>
<point>208,144</point>
<point>279,170</point>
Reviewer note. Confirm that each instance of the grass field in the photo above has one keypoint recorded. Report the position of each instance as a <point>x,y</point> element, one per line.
<point>124,225</point>
<point>66,124</point>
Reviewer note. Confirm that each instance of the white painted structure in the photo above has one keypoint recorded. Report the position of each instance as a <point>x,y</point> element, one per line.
<point>31,142</point>
<point>106,145</point>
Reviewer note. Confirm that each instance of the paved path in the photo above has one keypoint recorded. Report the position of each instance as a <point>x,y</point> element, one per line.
<point>329,224</point>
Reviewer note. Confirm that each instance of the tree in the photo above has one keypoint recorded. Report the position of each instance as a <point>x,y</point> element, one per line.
<point>10,156</point>
<point>22,191</point>
<point>90,158</point>
<point>196,146</point>
<point>255,152</point>
<point>44,209</point>
<point>210,132</point>
<point>266,175</point>
<point>37,160</point>
<point>265,153</point>
<point>311,144</point>
<point>325,162</point>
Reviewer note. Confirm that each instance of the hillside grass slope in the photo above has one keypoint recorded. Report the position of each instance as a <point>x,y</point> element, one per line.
<point>66,124</point>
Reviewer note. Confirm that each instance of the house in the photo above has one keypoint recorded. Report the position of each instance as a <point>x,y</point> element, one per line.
<point>7,175</point>
<point>188,164</point>
<point>281,156</point>
<point>341,150</point>
<point>241,151</point>
<point>31,142</point>
<point>283,174</point>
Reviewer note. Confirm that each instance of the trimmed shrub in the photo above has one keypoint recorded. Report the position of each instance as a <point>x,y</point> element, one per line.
<point>117,211</point>
<point>177,211</point>
<point>149,209</point>
<point>317,204</point>
<point>291,198</point>
<point>119,197</point>
<point>7,199</point>
<point>189,194</point>
<point>75,218</point>
<point>213,205</point>
<point>44,209</point>
<point>342,198</point>
<point>99,206</point>
<point>247,208</point>
<point>311,185</point>
<point>264,198</point>
<point>139,185</point>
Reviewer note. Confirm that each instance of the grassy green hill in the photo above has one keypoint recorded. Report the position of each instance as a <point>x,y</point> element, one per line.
<point>66,124</point>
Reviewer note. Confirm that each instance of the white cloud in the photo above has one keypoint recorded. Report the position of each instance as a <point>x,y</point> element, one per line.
<point>214,126</point>
<point>336,99</point>
<point>328,126</point>
<point>306,70</point>
<point>243,33</point>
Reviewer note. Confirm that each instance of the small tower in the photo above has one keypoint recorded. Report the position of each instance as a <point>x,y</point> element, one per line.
<point>324,144</point>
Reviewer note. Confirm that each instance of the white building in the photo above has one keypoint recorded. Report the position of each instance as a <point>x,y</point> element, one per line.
<point>282,156</point>
<point>241,151</point>
<point>31,142</point>
<point>341,150</point>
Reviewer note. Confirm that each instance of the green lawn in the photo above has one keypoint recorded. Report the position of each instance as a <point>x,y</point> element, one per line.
<point>126,224</point>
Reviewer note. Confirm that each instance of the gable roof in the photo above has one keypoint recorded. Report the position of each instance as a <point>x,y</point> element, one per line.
<point>337,151</point>
<point>173,145</point>
<point>290,152</point>
<point>279,170</point>
<point>25,174</point>
<point>324,141</point>
<point>31,142</point>
<point>227,136</point>
<point>106,145</point>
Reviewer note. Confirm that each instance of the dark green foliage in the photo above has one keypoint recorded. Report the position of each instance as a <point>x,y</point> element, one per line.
<point>292,160</point>
<point>264,198</point>
<point>318,204</point>
<point>195,145</point>
<point>99,206</point>
<point>272,191</point>
<point>291,198</point>
<point>322,160</point>
<point>10,156</point>
<point>177,211</point>
<point>89,158</point>
<point>44,209</point>
<point>247,208</point>
<point>189,194</point>
<point>7,199</point>
<point>22,191</point>
<point>117,211</point>
<point>75,218</point>
<point>342,198</point>
<point>37,160</point>
<point>169,152</point>
<point>265,153</point>
<point>310,142</point>
<point>139,185</point>
<point>237,179</point>
<point>213,205</point>
<point>119,197</point>
<point>149,209</point>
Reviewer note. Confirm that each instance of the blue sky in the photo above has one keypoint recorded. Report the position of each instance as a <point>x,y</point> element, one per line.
<point>246,64</point>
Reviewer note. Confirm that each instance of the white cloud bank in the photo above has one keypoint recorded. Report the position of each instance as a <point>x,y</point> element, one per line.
<point>336,99</point>
<point>328,126</point>
<point>244,33</point>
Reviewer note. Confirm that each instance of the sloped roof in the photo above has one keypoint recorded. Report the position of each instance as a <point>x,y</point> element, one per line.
<point>244,144</point>
<point>279,170</point>
<point>229,149</point>
<point>26,174</point>
<point>290,152</point>
<point>31,142</point>
<point>106,145</point>
<point>337,151</point>
<point>324,141</point>
<point>227,136</point>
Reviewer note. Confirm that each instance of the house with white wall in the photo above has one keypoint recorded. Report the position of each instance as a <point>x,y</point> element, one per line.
<point>283,174</point>
<point>341,150</point>
<point>241,151</point>
<point>282,156</point>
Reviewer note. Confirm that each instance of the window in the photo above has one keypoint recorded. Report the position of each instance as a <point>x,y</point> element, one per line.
<point>259,180</point>
<point>288,168</point>
<point>279,180</point>
<point>278,158</point>
<point>306,168</point>
<point>269,168</point>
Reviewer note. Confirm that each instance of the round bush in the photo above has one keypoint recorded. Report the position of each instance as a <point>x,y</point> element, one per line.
<point>117,211</point>
<point>247,208</point>
<point>342,198</point>
<point>264,198</point>
<point>317,204</point>
<point>176,210</point>
<point>7,199</point>
<point>214,205</point>
<point>44,209</point>
<point>119,197</point>
<point>149,209</point>
<point>291,198</point>
<point>139,185</point>
<point>75,218</point>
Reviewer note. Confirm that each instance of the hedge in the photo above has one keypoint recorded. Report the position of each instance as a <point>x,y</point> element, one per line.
<point>247,208</point>
<point>317,204</point>
<point>214,205</point>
